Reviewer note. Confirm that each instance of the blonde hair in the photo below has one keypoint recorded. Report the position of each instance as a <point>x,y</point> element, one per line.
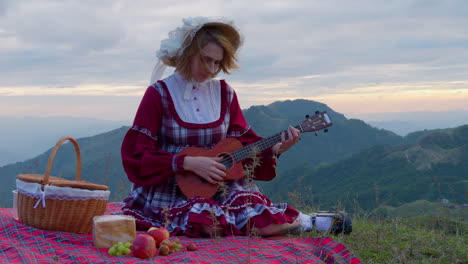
<point>222,34</point>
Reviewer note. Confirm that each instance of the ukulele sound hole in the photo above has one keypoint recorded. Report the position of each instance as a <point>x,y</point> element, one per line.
<point>227,160</point>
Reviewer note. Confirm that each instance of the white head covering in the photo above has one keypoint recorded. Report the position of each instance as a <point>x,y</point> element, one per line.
<point>173,46</point>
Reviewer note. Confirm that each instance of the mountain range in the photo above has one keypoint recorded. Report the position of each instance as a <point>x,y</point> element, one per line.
<point>353,163</point>
<point>433,168</point>
<point>26,137</point>
<point>403,123</point>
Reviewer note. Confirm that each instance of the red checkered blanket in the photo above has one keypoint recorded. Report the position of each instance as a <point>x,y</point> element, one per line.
<point>20,243</point>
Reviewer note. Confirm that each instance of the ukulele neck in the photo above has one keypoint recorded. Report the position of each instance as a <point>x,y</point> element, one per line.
<point>256,148</point>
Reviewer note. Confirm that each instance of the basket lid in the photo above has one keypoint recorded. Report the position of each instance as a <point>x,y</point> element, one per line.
<point>60,182</point>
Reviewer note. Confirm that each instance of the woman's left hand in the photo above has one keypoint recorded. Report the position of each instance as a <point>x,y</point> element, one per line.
<point>293,137</point>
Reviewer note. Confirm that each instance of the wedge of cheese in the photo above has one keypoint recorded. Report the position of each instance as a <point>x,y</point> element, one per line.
<point>108,230</point>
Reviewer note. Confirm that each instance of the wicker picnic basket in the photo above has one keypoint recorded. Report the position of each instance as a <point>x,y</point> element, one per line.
<point>53,203</point>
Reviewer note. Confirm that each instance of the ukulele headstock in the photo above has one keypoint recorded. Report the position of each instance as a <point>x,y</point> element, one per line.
<point>319,121</point>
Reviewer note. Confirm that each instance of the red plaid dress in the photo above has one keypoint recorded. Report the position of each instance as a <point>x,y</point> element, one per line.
<point>149,156</point>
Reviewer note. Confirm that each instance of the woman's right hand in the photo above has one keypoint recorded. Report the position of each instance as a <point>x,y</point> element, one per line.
<point>207,168</point>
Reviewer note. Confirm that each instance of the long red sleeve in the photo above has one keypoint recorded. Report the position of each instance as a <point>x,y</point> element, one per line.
<point>143,162</point>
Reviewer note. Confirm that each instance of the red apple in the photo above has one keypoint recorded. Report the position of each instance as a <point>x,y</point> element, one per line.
<point>191,247</point>
<point>144,246</point>
<point>159,234</point>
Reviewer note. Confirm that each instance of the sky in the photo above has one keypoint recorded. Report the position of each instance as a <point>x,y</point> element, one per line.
<point>88,58</point>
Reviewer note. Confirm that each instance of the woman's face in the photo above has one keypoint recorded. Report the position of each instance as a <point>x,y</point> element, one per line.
<point>212,54</point>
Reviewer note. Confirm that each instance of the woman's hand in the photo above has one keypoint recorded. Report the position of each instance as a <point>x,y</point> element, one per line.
<point>207,168</point>
<point>293,137</point>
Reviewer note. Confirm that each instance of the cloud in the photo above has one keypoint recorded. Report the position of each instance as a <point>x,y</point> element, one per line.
<point>292,49</point>
<point>108,108</point>
<point>65,25</point>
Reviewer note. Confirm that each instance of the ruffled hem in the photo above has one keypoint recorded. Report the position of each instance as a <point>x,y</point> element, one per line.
<point>238,215</point>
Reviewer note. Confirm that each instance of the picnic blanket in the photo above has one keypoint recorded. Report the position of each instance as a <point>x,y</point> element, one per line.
<point>20,243</point>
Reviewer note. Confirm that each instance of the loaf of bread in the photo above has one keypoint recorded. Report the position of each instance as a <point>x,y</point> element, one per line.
<point>108,230</point>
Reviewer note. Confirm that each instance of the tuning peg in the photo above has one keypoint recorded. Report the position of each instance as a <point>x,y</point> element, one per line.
<point>317,112</point>
<point>307,116</point>
<point>325,130</point>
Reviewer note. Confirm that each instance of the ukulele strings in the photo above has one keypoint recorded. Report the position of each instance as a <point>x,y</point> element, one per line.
<point>255,148</point>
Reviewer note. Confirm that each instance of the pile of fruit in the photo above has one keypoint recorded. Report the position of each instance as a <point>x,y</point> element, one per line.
<point>156,240</point>
<point>120,249</point>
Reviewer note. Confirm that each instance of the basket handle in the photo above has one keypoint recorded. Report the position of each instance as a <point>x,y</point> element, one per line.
<point>52,158</point>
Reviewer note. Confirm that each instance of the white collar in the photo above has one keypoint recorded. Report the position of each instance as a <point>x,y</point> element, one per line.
<point>188,84</point>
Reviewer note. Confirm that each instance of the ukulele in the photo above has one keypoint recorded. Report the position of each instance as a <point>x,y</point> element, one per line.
<point>233,153</point>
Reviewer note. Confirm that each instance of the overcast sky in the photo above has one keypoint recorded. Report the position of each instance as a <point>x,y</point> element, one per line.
<point>94,58</point>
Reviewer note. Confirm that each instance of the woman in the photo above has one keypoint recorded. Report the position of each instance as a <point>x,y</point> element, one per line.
<point>190,108</point>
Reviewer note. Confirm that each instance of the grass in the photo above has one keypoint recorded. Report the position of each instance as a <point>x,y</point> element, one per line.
<point>407,240</point>
<point>420,237</point>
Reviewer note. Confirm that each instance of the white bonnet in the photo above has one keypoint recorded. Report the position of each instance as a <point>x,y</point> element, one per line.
<point>181,37</point>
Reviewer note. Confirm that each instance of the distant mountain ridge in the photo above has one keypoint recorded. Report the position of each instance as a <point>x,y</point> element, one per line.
<point>405,123</point>
<point>345,137</point>
<point>102,162</point>
<point>27,137</point>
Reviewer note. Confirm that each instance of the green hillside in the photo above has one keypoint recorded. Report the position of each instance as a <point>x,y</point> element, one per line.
<point>434,168</point>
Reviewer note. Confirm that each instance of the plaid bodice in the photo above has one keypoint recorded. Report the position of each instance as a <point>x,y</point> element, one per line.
<point>176,134</point>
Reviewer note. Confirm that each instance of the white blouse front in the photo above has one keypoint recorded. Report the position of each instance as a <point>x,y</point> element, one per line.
<point>195,102</point>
